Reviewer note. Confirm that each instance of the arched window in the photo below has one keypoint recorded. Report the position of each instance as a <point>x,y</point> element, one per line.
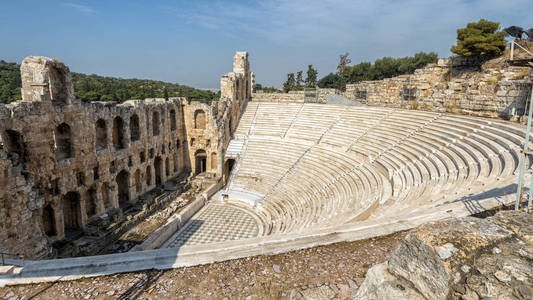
<point>148,175</point>
<point>14,142</point>
<point>118,133</point>
<point>91,205</point>
<point>72,211</point>
<point>101,134</point>
<point>49,221</point>
<point>155,123</point>
<point>106,197</point>
<point>158,166</point>
<point>167,167</point>
<point>135,131</point>
<point>172,119</point>
<point>123,179</point>
<point>200,158</point>
<point>199,119</point>
<point>138,183</point>
<point>63,142</point>
<point>58,84</point>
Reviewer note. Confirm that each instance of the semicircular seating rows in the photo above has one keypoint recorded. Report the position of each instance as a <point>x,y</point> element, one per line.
<point>321,165</point>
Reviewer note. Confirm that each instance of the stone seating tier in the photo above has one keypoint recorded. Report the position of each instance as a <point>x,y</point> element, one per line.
<point>325,165</point>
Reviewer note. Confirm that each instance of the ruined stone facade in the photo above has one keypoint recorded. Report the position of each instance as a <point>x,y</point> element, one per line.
<point>492,89</point>
<point>64,162</point>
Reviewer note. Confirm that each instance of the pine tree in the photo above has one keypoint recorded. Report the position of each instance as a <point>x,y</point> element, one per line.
<point>299,79</point>
<point>480,38</point>
<point>290,84</point>
<point>312,74</point>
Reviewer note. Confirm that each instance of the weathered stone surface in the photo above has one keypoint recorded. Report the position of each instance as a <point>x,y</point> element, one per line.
<point>380,284</point>
<point>432,255</point>
<point>469,258</point>
<point>64,162</point>
<point>492,89</point>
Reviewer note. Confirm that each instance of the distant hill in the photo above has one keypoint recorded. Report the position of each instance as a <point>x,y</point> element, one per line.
<point>100,88</point>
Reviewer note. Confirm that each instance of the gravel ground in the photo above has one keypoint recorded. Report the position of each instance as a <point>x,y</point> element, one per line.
<point>322,272</point>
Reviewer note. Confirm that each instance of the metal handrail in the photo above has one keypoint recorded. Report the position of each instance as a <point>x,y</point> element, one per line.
<point>19,256</point>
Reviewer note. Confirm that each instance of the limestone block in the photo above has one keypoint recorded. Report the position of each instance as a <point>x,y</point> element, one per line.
<point>380,284</point>
<point>431,256</point>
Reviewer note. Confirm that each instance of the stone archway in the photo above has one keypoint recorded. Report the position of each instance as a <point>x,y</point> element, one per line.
<point>101,134</point>
<point>123,179</point>
<point>200,162</point>
<point>135,130</point>
<point>72,211</point>
<point>14,142</point>
<point>63,141</point>
<point>49,221</point>
<point>118,133</point>
<point>158,166</point>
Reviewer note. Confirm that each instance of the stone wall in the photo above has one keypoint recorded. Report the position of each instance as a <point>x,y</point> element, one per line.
<point>295,96</point>
<point>292,96</point>
<point>492,89</point>
<point>64,162</point>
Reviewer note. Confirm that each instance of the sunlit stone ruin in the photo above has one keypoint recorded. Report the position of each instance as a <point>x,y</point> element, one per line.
<point>253,173</point>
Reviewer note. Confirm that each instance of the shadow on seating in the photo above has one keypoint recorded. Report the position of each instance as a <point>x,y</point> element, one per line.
<point>472,201</point>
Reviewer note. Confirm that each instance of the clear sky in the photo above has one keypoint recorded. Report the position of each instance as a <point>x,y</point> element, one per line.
<point>193,42</point>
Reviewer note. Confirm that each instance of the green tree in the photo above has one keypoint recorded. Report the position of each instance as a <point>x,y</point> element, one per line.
<point>387,67</point>
<point>290,84</point>
<point>312,75</point>
<point>299,79</point>
<point>480,38</point>
<point>332,81</point>
<point>357,73</point>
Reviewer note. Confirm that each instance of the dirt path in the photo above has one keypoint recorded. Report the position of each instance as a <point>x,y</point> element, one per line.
<point>333,270</point>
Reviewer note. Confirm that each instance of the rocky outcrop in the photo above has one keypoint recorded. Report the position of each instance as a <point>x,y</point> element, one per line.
<point>466,258</point>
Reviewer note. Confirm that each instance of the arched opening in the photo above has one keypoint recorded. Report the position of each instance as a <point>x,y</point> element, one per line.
<point>118,133</point>
<point>228,166</point>
<point>123,179</point>
<point>63,141</point>
<point>14,142</point>
<point>155,123</point>
<point>200,158</point>
<point>48,219</point>
<point>58,85</point>
<point>167,167</point>
<point>106,197</point>
<point>172,119</point>
<point>71,211</point>
<point>148,175</point>
<point>176,165</point>
<point>158,165</point>
<point>135,131</point>
<point>138,183</point>
<point>91,202</point>
<point>213,161</point>
<point>199,119</point>
<point>101,134</point>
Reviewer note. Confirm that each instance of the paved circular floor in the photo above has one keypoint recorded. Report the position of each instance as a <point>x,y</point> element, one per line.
<point>215,223</point>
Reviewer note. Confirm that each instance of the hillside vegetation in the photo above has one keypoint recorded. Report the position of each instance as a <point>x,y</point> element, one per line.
<point>100,88</point>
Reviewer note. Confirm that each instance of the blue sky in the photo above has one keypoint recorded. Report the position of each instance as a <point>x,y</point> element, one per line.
<point>193,42</point>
